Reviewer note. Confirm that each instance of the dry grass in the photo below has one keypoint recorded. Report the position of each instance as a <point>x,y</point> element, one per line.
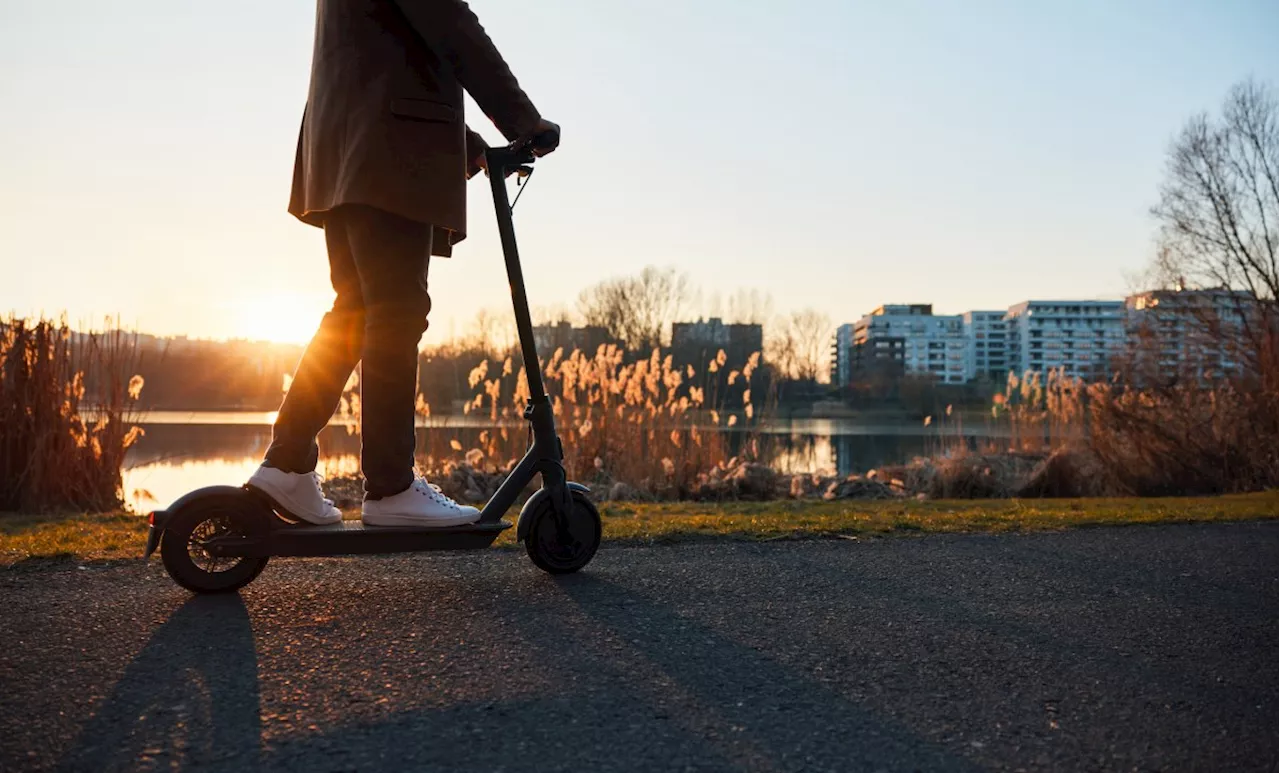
<point>96,536</point>
<point>66,416</point>
<point>123,536</point>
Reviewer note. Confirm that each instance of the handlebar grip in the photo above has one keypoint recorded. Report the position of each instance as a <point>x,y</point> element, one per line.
<point>544,142</point>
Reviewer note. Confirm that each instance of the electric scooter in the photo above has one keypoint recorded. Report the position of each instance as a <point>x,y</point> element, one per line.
<point>218,539</point>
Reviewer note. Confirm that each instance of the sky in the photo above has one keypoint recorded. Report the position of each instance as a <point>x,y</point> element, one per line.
<point>836,155</point>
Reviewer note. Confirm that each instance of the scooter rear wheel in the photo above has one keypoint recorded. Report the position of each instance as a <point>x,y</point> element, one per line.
<point>182,548</point>
<point>564,548</point>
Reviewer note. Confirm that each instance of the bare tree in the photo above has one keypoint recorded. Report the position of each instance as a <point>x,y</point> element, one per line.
<point>714,304</point>
<point>1204,416</point>
<point>799,347</point>
<point>781,348</point>
<point>813,337</point>
<point>552,314</point>
<point>749,307</point>
<point>491,332</point>
<point>1218,208</point>
<point>637,310</point>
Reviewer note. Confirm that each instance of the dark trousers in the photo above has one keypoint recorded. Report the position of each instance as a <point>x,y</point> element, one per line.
<point>378,266</point>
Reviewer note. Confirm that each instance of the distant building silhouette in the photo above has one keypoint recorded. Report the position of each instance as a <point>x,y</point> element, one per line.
<point>696,343</point>
<point>562,335</point>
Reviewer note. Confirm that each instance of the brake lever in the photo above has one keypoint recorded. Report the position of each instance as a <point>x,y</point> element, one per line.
<point>523,175</point>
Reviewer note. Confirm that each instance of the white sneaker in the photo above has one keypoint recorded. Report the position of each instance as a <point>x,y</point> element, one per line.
<point>421,505</point>
<point>297,493</point>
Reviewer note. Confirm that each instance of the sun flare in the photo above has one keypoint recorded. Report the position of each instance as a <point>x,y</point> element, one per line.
<point>279,317</point>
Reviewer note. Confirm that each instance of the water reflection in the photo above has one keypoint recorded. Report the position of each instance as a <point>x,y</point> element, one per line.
<point>172,459</point>
<point>182,451</point>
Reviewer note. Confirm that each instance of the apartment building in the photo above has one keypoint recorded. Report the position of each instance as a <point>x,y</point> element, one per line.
<point>906,338</point>
<point>1170,332</point>
<point>1187,333</point>
<point>986,345</point>
<point>842,355</point>
<point>1079,337</point>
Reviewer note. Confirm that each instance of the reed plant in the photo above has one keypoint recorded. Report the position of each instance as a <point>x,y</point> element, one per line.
<point>1041,411</point>
<point>1192,435</point>
<point>67,412</point>
<point>1142,431</point>
<point>645,421</point>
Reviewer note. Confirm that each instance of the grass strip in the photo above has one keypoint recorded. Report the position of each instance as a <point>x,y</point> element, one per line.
<point>123,536</point>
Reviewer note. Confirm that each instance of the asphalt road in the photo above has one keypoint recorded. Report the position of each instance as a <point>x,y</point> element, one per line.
<point>1148,648</point>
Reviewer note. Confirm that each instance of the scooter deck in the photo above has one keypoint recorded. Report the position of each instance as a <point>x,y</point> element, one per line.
<point>354,538</point>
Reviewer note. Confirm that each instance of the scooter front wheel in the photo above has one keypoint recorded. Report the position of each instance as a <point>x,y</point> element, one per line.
<point>183,551</point>
<point>562,547</point>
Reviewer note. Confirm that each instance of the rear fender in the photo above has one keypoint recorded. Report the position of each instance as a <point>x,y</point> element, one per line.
<point>158,520</point>
<point>532,504</point>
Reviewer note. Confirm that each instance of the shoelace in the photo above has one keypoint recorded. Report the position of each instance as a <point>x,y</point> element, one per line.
<point>317,479</point>
<point>437,494</point>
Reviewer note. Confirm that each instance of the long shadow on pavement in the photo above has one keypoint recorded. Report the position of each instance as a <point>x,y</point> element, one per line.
<point>749,706</point>
<point>626,683</point>
<point>189,698</point>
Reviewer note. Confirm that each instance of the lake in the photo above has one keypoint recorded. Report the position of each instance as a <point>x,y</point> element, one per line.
<point>185,450</point>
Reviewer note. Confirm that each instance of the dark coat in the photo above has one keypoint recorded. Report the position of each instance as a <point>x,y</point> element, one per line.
<point>383,125</point>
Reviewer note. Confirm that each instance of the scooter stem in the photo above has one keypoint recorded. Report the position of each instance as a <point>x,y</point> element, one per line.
<point>498,161</point>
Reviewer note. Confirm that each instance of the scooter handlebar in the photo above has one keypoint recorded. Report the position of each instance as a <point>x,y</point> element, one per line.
<point>541,143</point>
<point>518,156</point>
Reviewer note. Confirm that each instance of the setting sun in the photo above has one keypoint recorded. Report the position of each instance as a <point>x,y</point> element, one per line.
<point>280,317</point>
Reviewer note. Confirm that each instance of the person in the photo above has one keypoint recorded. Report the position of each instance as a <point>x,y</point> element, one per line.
<point>383,156</point>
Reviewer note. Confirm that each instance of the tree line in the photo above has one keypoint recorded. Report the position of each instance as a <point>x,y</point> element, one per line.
<point>637,312</point>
